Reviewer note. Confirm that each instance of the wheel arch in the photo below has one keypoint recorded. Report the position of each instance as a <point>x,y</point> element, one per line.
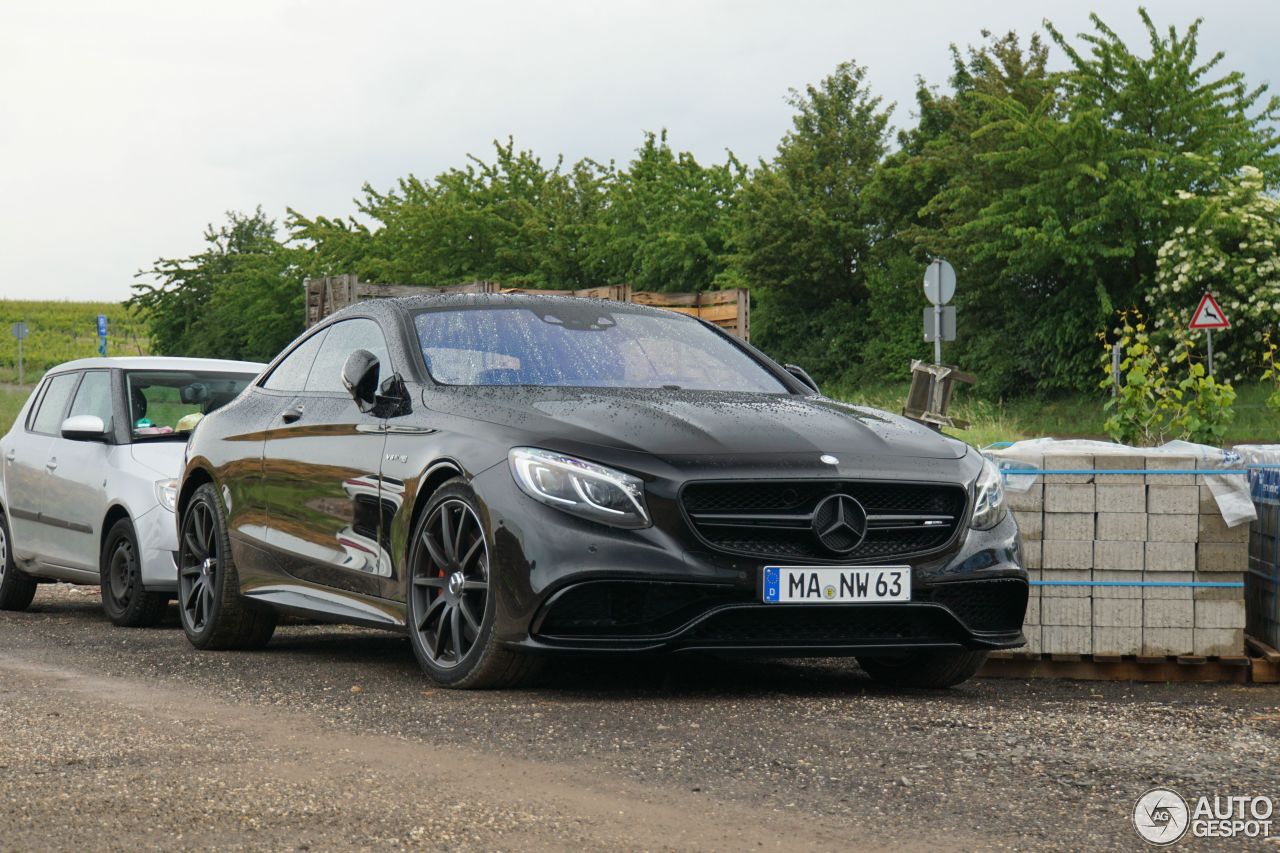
<point>115,512</point>
<point>437,474</point>
<point>194,479</point>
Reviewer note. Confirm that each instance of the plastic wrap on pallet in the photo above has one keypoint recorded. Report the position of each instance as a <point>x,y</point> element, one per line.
<point>1263,461</point>
<point>1262,582</point>
<point>1231,491</point>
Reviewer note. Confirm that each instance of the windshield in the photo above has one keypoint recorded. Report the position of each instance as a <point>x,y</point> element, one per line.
<point>168,403</point>
<point>584,345</point>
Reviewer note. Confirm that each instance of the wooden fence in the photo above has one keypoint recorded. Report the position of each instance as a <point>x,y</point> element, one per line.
<point>728,309</point>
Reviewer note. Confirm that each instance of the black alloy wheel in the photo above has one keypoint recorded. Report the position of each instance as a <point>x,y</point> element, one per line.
<point>198,570</point>
<point>450,583</point>
<point>214,613</point>
<point>452,597</point>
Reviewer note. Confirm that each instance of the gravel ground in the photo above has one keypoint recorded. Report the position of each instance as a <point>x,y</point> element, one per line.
<point>332,739</point>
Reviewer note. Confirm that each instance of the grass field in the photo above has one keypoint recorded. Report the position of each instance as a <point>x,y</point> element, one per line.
<point>1077,416</point>
<point>11,400</point>
<point>62,331</point>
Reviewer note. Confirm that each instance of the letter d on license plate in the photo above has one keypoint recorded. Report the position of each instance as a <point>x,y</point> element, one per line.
<point>835,585</point>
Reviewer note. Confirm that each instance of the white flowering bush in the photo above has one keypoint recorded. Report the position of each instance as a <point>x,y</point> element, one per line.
<point>1231,251</point>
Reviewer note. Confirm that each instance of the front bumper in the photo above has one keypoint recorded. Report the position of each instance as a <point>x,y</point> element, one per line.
<point>573,585</point>
<point>158,541</point>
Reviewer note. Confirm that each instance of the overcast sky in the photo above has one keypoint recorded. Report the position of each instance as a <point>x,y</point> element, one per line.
<point>126,127</point>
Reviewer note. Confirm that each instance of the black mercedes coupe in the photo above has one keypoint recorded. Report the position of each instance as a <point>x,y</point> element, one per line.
<point>505,477</point>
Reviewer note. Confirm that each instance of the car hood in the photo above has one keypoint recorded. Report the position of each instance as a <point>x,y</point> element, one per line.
<point>162,457</point>
<point>677,423</point>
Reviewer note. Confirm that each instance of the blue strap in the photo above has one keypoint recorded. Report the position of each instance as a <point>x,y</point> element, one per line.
<point>1194,584</point>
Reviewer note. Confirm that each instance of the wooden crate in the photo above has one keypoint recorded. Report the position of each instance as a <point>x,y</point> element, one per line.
<point>728,309</point>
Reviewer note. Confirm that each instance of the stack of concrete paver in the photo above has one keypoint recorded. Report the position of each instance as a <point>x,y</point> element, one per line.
<point>1093,538</point>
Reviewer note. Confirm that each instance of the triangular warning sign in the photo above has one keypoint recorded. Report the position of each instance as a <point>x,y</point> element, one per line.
<point>1209,315</point>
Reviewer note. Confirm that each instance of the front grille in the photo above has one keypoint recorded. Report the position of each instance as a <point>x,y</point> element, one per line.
<point>776,519</point>
<point>985,605</point>
<point>855,625</point>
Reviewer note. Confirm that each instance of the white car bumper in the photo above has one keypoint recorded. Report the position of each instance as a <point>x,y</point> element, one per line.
<point>158,541</point>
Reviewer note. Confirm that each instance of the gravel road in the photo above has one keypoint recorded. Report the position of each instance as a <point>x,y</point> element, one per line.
<point>332,739</point>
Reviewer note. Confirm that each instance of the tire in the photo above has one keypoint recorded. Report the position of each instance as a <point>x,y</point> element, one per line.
<point>124,599</point>
<point>215,616</point>
<point>932,669</point>
<point>17,589</point>
<point>453,598</point>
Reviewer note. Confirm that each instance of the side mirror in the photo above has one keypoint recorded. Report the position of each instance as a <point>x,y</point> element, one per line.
<point>360,378</point>
<point>84,428</point>
<point>803,375</point>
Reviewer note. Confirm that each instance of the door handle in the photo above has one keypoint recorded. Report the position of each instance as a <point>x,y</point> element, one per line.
<point>291,414</point>
<point>11,455</point>
<point>52,464</point>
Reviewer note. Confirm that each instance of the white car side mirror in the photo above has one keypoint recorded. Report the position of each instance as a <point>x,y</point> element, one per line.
<point>84,428</point>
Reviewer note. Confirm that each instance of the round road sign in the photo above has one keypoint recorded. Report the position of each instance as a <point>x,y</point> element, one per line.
<point>940,282</point>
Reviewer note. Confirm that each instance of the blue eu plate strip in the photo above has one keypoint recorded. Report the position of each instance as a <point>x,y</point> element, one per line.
<point>1028,472</point>
<point>771,585</point>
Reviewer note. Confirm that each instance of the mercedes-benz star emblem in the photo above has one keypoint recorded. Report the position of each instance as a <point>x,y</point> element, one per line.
<point>840,523</point>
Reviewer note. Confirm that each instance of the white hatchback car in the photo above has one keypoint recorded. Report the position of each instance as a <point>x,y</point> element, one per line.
<point>88,486</point>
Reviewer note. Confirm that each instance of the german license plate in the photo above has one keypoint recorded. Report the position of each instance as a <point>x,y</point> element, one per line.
<point>835,585</point>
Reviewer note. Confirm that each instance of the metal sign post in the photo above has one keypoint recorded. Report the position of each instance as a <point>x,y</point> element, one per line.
<point>20,332</point>
<point>939,321</point>
<point>1115,370</point>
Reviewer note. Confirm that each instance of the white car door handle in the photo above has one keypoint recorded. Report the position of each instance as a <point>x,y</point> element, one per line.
<point>11,455</point>
<point>52,464</point>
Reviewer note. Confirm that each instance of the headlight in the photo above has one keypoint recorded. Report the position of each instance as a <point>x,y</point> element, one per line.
<point>579,487</point>
<point>988,504</point>
<point>167,494</point>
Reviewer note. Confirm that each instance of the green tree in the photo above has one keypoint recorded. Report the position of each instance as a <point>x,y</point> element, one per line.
<point>803,229</point>
<point>514,220</point>
<point>242,297</point>
<point>1069,210</point>
<point>666,222</point>
<point>937,180</point>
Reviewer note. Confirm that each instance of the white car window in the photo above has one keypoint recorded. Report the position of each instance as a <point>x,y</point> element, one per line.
<point>49,417</point>
<point>93,397</point>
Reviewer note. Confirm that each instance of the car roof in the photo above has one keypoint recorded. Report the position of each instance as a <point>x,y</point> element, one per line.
<point>526,299</point>
<point>161,362</point>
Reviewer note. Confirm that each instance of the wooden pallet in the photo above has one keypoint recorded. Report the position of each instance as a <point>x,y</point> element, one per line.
<point>1237,669</point>
<point>1266,661</point>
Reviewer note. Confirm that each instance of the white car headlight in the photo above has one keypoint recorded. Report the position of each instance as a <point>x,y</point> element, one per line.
<point>579,487</point>
<point>988,498</point>
<point>167,494</point>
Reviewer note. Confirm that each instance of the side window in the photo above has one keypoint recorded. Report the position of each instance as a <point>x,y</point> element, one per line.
<point>93,397</point>
<point>49,416</point>
<point>291,374</point>
<point>345,338</point>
